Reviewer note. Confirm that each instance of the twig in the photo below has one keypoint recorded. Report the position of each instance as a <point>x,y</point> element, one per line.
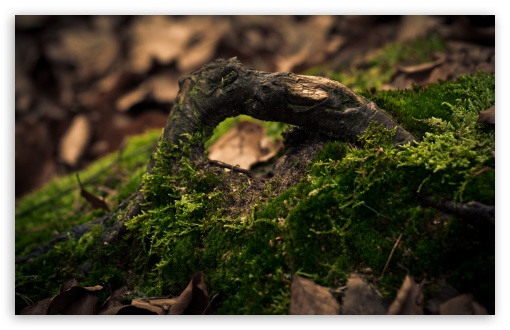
<point>471,210</point>
<point>234,168</point>
<point>391,255</point>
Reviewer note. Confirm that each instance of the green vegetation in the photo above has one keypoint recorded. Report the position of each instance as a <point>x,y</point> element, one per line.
<point>58,206</point>
<point>344,216</point>
<point>379,67</point>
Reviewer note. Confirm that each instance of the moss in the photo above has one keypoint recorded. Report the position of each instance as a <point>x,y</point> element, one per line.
<point>379,67</point>
<point>345,215</point>
<point>411,107</point>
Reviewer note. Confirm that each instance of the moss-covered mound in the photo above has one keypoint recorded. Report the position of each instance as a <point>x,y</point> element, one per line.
<point>328,212</point>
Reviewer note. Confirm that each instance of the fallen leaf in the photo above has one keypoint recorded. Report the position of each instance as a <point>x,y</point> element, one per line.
<point>39,308</point>
<point>75,140</point>
<point>193,300</point>
<point>443,294</point>
<point>74,301</point>
<point>244,145</point>
<point>410,69</point>
<point>416,26</point>
<point>308,298</point>
<point>95,202</point>
<point>129,310</point>
<point>113,301</point>
<point>487,116</point>
<point>146,304</point>
<point>462,305</point>
<point>361,299</point>
<point>409,300</point>
<point>90,51</point>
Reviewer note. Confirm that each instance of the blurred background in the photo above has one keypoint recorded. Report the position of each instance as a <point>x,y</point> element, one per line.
<point>85,83</point>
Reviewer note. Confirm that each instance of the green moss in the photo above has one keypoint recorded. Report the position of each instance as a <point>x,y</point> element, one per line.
<point>411,107</point>
<point>379,67</point>
<point>345,215</point>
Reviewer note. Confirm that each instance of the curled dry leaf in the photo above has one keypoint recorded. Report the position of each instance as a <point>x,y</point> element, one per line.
<point>361,299</point>
<point>39,308</point>
<point>193,300</point>
<point>462,305</point>
<point>487,116</point>
<point>245,145</point>
<point>71,300</point>
<point>409,300</point>
<point>308,298</point>
<point>95,202</point>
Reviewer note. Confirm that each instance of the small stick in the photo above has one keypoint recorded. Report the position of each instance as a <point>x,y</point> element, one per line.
<point>391,255</point>
<point>234,168</point>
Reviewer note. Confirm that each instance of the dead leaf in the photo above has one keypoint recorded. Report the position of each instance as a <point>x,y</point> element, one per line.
<point>113,301</point>
<point>443,294</point>
<point>308,298</point>
<point>129,310</point>
<point>95,202</point>
<point>75,140</point>
<point>410,69</point>
<point>74,300</point>
<point>245,145</point>
<point>39,308</point>
<point>415,26</point>
<point>462,305</point>
<point>409,300</point>
<point>190,41</point>
<point>361,299</point>
<point>90,51</point>
<point>146,304</point>
<point>487,116</point>
<point>193,300</point>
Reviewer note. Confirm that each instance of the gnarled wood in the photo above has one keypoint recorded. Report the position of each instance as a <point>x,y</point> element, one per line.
<point>226,88</point>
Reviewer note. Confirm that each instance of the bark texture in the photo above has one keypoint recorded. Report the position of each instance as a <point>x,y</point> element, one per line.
<point>226,88</point>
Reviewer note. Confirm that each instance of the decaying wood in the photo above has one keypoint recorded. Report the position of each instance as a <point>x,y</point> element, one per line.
<point>226,88</point>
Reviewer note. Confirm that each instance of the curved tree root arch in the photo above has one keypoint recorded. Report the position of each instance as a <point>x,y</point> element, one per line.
<point>226,88</point>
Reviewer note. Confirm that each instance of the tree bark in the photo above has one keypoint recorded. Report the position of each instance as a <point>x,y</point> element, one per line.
<point>226,88</point>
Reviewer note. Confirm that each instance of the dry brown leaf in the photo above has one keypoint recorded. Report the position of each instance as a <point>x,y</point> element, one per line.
<point>193,300</point>
<point>128,310</point>
<point>487,116</point>
<point>95,202</point>
<point>462,305</point>
<point>39,308</point>
<point>113,301</point>
<point>415,26</point>
<point>74,141</point>
<point>308,298</point>
<point>146,304</point>
<point>189,41</point>
<point>410,69</point>
<point>443,294</point>
<point>361,299</point>
<point>409,300</point>
<point>90,51</point>
<point>245,145</point>
<point>74,301</point>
